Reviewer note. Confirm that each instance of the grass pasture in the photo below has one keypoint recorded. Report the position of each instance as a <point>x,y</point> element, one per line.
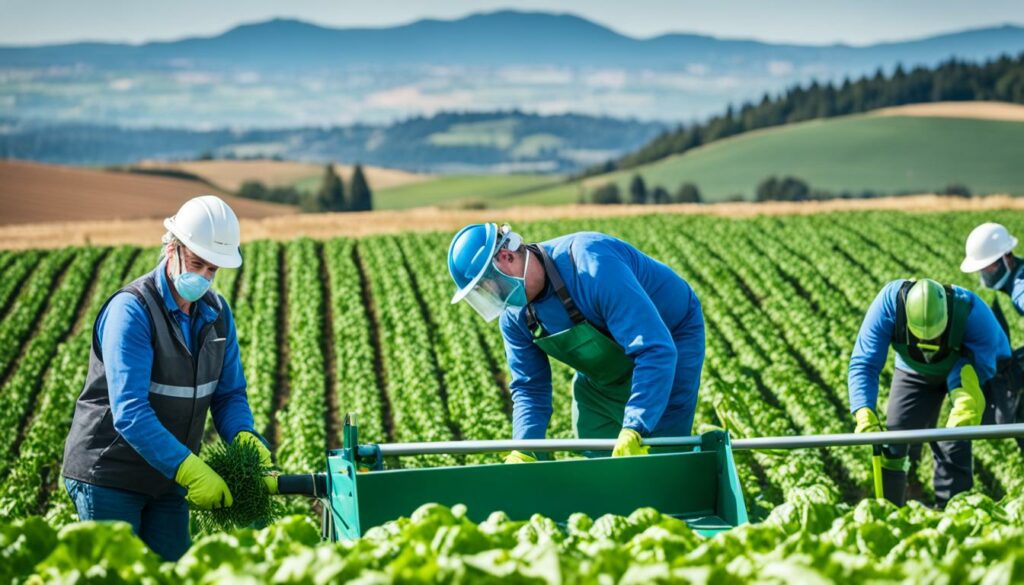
<point>884,154</point>
<point>462,190</point>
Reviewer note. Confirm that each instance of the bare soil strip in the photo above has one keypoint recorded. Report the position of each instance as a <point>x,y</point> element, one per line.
<point>282,389</point>
<point>332,422</point>
<point>378,360</point>
<point>82,304</point>
<point>37,318</point>
<point>329,225</point>
<point>974,110</point>
<point>442,387</point>
<point>34,192</point>
<point>230,174</point>
<point>5,307</point>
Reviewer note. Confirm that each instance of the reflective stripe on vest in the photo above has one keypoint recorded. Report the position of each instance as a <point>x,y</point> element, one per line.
<point>183,391</point>
<point>181,388</point>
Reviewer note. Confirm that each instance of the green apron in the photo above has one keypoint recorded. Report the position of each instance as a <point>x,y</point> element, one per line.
<point>603,380</point>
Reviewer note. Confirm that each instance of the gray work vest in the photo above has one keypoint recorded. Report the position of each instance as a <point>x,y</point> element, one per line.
<point>180,390</point>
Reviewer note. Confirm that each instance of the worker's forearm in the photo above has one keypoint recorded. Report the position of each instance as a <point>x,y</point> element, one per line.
<point>531,414</point>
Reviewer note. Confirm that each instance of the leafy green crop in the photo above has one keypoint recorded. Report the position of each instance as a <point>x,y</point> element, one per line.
<point>783,298</point>
<point>238,463</point>
<point>807,539</point>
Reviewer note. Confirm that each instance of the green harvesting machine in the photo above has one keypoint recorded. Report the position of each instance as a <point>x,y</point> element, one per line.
<point>694,480</point>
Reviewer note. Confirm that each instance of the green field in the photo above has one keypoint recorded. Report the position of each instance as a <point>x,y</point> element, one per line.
<point>461,190</point>
<point>881,154</point>
<point>365,325</point>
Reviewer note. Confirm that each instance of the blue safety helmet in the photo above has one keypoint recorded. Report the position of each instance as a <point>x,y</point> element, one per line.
<point>469,254</point>
<point>471,264</point>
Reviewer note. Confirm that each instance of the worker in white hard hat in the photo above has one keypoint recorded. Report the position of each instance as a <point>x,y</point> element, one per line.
<point>989,252</point>
<point>164,352</point>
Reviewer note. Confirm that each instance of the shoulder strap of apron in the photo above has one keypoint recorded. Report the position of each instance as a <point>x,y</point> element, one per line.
<point>900,331</point>
<point>552,275</point>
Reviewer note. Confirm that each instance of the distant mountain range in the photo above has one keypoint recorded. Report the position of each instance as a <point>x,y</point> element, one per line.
<point>288,73</point>
<point>496,39</point>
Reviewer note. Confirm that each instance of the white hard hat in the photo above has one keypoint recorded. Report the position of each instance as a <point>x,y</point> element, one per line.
<point>208,227</point>
<point>987,243</point>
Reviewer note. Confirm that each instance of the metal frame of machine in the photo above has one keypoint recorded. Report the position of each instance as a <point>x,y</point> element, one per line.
<point>695,481</point>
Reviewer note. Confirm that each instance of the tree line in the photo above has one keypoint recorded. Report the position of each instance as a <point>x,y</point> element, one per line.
<point>773,188</point>
<point>1000,80</point>
<point>640,194</point>
<point>330,196</point>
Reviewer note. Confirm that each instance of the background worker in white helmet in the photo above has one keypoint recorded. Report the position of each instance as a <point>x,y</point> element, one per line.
<point>164,352</point>
<point>631,328</point>
<point>989,252</point>
<point>947,343</point>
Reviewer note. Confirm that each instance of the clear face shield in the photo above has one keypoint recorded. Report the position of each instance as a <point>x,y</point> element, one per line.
<point>495,290</point>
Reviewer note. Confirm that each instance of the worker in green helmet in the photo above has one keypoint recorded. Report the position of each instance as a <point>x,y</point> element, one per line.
<point>947,343</point>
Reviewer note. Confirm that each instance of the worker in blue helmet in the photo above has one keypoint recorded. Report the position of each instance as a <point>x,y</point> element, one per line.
<point>631,328</point>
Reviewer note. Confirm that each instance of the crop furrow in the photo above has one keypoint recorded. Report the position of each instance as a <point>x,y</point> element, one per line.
<point>20,269</point>
<point>473,397</point>
<point>451,420</point>
<point>386,429</point>
<point>412,380</point>
<point>24,489</point>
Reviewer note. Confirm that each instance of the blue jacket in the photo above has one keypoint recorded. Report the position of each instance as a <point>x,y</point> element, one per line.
<point>641,302</point>
<point>123,330</point>
<point>1015,288</point>
<point>984,339</point>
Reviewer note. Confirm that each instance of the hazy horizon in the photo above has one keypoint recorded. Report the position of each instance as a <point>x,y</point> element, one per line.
<point>792,21</point>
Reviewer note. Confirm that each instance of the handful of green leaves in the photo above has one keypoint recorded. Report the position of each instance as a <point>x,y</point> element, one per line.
<point>238,463</point>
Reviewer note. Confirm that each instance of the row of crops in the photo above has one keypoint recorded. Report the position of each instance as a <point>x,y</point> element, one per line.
<point>808,540</point>
<point>365,326</point>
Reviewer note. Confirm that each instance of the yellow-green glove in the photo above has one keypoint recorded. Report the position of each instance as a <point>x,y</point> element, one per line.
<point>968,401</point>
<point>265,459</point>
<point>629,443</point>
<point>867,421</point>
<point>519,457</point>
<point>206,489</point>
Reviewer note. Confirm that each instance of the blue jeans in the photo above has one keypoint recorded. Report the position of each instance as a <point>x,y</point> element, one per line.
<point>161,522</point>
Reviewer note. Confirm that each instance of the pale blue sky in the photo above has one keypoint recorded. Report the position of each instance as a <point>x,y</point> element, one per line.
<point>798,21</point>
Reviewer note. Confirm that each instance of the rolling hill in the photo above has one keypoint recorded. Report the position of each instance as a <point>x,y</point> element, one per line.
<point>230,174</point>
<point>918,148</point>
<point>36,193</point>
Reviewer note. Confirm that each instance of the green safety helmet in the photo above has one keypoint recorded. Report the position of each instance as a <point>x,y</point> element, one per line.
<point>926,309</point>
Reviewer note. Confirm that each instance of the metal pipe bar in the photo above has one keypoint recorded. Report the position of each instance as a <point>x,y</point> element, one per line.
<point>884,438</point>
<point>467,447</point>
<point>793,442</point>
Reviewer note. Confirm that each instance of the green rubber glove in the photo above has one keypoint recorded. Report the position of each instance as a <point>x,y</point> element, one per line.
<point>519,457</point>
<point>628,444</point>
<point>867,421</point>
<point>265,459</point>
<point>206,489</point>
<point>968,401</point>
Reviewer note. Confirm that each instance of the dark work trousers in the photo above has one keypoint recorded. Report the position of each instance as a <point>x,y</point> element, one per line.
<point>915,402</point>
<point>1002,403</point>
